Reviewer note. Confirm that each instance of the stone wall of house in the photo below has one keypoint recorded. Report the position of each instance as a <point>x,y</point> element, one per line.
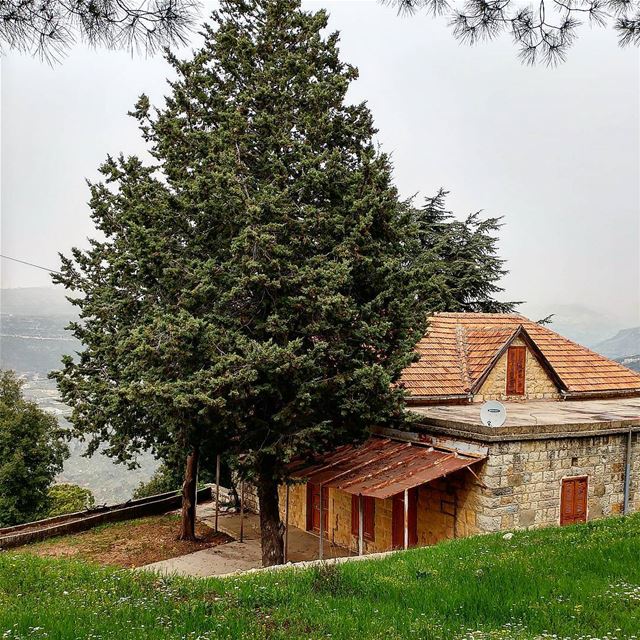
<point>538,385</point>
<point>447,508</point>
<point>524,479</point>
<point>297,504</point>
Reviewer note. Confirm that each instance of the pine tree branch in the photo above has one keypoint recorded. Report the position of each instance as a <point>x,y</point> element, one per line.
<point>544,32</point>
<point>49,29</point>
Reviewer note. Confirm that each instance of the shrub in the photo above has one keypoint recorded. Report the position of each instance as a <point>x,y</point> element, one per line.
<point>326,578</point>
<point>164,479</point>
<point>69,498</point>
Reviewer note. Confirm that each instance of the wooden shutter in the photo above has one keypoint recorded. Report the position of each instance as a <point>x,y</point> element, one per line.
<point>369,508</point>
<point>581,500</point>
<point>516,359</point>
<point>397,520</point>
<point>369,517</point>
<point>309,507</point>
<point>355,513</point>
<point>573,500</point>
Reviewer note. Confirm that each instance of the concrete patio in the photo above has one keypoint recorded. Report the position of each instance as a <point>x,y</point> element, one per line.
<point>238,556</point>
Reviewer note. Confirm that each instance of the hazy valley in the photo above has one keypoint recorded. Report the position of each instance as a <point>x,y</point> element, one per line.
<point>32,344</point>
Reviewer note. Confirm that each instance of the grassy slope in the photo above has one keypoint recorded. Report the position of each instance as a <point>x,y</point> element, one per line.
<point>575,582</point>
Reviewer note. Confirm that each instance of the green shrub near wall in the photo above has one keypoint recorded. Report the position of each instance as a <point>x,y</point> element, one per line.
<point>69,498</point>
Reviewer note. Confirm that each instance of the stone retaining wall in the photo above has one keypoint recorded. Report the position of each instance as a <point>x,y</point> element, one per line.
<point>74,523</point>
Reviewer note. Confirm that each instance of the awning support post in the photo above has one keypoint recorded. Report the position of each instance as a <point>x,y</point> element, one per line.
<point>286,524</point>
<point>406,518</point>
<point>217,492</point>
<point>360,526</point>
<point>242,512</point>
<point>321,554</point>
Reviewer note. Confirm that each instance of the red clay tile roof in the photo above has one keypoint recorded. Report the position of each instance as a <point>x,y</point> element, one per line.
<point>459,348</point>
<point>381,468</point>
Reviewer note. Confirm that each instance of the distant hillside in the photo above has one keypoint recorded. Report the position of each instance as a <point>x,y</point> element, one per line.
<point>632,362</point>
<point>32,342</point>
<point>581,324</point>
<point>625,343</point>
<point>32,329</point>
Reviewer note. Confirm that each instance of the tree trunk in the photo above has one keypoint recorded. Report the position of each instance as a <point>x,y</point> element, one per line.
<point>271,527</point>
<point>189,488</point>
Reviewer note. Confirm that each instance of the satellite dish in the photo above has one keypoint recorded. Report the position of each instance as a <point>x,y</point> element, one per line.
<point>493,414</point>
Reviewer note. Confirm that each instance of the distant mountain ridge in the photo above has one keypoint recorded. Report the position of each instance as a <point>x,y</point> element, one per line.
<point>32,329</point>
<point>631,362</point>
<point>624,344</point>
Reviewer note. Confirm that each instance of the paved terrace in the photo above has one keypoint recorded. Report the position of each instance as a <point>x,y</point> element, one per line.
<point>236,556</point>
<point>536,419</point>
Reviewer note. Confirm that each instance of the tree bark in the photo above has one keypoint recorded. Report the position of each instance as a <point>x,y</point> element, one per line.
<point>189,488</point>
<point>271,527</point>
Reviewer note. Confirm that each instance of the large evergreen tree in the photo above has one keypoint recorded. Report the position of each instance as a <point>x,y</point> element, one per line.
<point>261,286</point>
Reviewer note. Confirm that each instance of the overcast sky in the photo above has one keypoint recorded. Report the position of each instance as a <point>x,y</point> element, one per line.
<point>554,151</point>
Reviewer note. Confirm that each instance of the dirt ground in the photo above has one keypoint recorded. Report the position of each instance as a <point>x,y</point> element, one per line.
<point>128,544</point>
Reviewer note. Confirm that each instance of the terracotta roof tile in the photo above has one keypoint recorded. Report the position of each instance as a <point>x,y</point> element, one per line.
<point>459,347</point>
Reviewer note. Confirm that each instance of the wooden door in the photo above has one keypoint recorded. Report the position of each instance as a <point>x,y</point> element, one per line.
<point>573,501</point>
<point>368,520</point>
<point>313,508</point>
<point>397,520</point>
<point>516,358</point>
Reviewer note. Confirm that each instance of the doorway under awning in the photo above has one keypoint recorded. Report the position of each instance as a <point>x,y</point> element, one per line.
<point>381,468</point>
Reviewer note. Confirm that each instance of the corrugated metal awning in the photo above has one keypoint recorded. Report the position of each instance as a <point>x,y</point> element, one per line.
<point>381,467</point>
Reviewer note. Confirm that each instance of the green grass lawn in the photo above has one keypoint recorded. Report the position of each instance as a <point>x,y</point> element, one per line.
<point>578,582</point>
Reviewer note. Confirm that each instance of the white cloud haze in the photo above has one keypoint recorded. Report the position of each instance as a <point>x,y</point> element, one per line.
<point>554,151</point>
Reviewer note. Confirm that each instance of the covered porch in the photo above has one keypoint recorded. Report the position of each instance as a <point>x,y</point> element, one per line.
<point>385,494</point>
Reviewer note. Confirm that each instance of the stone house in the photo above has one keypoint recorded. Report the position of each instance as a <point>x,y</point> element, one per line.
<point>568,451</point>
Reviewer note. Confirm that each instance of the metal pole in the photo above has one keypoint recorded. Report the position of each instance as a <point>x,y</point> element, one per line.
<point>321,527</point>
<point>217,491</point>
<point>627,475</point>
<point>242,512</point>
<point>406,518</point>
<point>360,526</point>
<point>286,525</point>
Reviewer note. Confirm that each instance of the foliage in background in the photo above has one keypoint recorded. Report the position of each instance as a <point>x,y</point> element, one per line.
<point>163,480</point>
<point>575,583</point>
<point>69,498</point>
<point>463,265</point>
<point>32,451</point>
<point>544,30</point>
<point>48,29</point>
<point>169,476</point>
